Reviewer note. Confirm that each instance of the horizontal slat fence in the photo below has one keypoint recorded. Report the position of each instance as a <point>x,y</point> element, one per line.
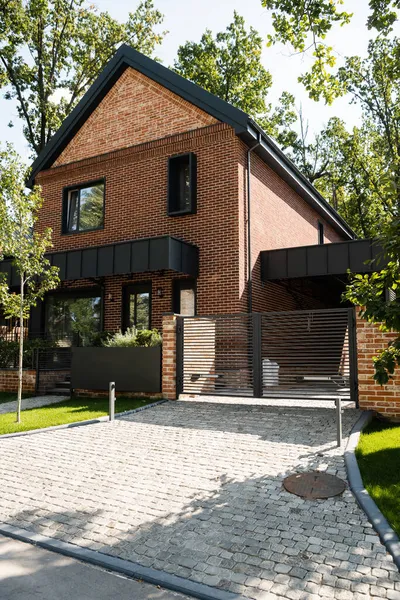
<point>308,353</point>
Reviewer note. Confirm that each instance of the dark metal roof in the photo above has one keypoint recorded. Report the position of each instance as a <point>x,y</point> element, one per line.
<point>326,259</point>
<point>243,125</point>
<point>136,256</point>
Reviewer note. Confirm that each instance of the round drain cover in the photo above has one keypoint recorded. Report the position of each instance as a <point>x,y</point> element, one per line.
<point>314,485</point>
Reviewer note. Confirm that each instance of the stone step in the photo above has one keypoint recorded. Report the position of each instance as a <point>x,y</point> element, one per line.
<point>65,391</point>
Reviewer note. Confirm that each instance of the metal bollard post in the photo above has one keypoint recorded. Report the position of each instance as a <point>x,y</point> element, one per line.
<point>111,398</point>
<point>339,421</point>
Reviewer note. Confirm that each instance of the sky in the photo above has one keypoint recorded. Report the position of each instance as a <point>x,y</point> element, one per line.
<point>187,20</point>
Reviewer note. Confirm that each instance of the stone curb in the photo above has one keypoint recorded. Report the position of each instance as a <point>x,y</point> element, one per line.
<point>386,534</point>
<point>159,578</point>
<point>81,423</point>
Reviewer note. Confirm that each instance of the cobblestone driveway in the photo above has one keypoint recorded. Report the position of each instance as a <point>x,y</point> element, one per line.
<point>195,488</point>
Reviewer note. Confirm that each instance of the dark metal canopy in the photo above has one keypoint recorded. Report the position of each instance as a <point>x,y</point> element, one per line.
<point>326,259</point>
<point>136,256</point>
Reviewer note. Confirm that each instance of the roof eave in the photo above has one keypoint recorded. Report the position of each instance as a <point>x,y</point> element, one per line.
<point>128,57</point>
<point>281,164</point>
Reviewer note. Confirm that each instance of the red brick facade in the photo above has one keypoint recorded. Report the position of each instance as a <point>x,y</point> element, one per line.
<point>372,396</point>
<point>127,140</point>
<point>9,380</point>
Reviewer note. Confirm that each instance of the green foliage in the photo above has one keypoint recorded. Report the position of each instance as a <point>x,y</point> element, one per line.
<point>359,170</point>
<point>18,239</point>
<point>229,65</point>
<point>148,337</point>
<point>378,456</point>
<point>369,292</point>
<point>51,51</point>
<point>9,352</point>
<point>304,25</point>
<point>134,338</point>
<point>68,411</point>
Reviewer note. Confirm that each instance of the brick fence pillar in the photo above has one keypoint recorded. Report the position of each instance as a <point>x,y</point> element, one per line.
<point>169,357</point>
<point>372,396</point>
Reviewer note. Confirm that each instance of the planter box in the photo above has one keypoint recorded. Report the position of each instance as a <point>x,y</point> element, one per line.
<point>132,369</point>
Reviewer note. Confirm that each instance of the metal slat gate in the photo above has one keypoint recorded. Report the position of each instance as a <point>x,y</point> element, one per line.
<point>296,354</point>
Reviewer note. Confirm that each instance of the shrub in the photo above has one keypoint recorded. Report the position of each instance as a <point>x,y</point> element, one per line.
<point>9,352</point>
<point>133,338</point>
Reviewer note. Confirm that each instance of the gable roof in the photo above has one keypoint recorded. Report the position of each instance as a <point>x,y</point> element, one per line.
<point>244,126</point>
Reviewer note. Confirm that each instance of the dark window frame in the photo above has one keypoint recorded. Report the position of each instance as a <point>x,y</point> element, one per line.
<point>321,233</point>
<point>138,288</point>
<point>183,284</point>
<point>171,198</point>
<point>79,292</point>
<point>65,197</point>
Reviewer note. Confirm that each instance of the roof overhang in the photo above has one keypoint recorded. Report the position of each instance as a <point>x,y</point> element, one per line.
<point>358,256</point>
<point>243,125</point>
<point>128,57</point>
<point>136,256</point>
<point>285,168</point>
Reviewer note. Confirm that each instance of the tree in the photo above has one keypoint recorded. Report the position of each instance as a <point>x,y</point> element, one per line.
<point>304,25</point>
<point>18,239</point>
<point>375,294</point>
<point>358,170</point>
<point>229,66</point>
<point>51,51</point>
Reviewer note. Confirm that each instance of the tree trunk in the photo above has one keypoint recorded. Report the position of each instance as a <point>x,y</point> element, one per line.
<point>21,352</point>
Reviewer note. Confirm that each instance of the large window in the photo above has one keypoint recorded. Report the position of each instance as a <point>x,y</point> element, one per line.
<point>73,318</point>
<point>83,208</point>
<point>137,306</point>
<point>182,184</point>
<point>184,297</point>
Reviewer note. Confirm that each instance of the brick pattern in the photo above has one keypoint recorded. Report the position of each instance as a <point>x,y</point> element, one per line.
<point>141,110</point>
<point>280,218</point>
<point>169,357</point>
<point>194,488</point>
<point>136,193</point>
<point>383,399</point>
<point>128,140</point>
<point>48,379</point>
<point>9,380</point>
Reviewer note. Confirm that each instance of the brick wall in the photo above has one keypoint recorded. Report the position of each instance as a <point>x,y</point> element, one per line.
<point>127,140</point>
<point>135,110</point>
<point>135,207</point>
<point>383,399</point>
<point>9,380</point>
<point>280,218</point>
<point>168,376</point>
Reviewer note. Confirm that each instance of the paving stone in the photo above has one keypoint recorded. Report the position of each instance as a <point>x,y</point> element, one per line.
<point>194,488</point>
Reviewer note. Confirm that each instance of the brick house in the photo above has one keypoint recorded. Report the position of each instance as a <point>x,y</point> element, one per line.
<point>162,199</point>
<point>147,192</point>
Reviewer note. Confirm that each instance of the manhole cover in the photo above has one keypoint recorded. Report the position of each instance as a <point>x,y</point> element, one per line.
<point>314,485</point>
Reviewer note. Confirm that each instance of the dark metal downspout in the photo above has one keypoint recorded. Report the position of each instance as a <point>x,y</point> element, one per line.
<point>249,277</point>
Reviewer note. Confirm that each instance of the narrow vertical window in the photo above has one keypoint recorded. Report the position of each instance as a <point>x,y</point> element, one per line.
<point>182,184</point>
<point>321,239</point>
<point>137,306</point>
<point>184,297</point>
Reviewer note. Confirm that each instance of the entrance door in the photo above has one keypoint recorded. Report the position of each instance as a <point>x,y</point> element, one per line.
<point>137,306</point>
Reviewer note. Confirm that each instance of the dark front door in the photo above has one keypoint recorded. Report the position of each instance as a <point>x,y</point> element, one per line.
<point>137,306</point>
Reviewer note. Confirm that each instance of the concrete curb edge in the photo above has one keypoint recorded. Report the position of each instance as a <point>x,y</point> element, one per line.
<point>386,534</point>
<point>81,423</point>
<point>119,565</point>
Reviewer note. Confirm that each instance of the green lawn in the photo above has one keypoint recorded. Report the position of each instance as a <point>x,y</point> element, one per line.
<point>378,455</point>
<point>10,396</point>
<point>67,411</point>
